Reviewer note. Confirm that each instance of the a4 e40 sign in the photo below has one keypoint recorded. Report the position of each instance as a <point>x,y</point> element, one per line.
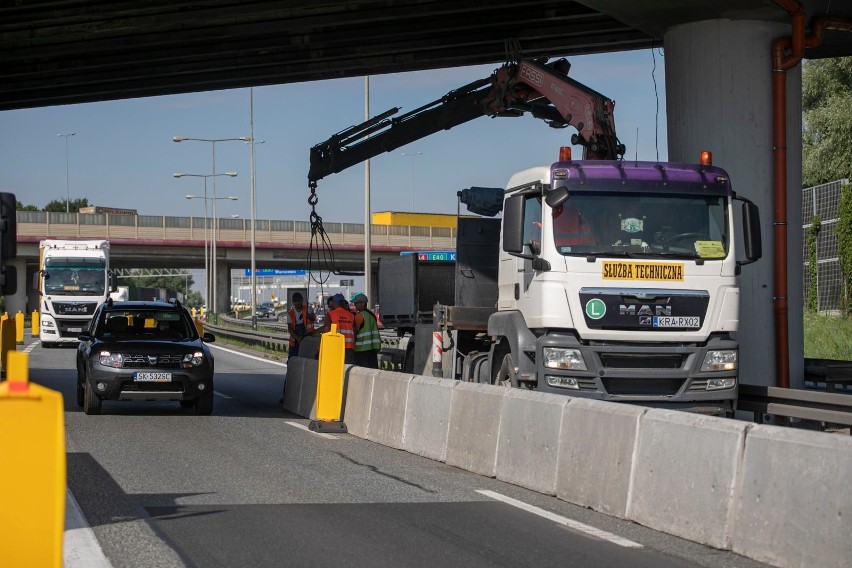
<point>435,255</point>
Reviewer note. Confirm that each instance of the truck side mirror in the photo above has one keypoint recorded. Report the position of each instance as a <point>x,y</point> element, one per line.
<point>113,282</point>
<point>751,232</point>
<point>557,197</point>
<point>513,224</point>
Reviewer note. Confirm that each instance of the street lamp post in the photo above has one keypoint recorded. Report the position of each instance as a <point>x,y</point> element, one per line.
<point>207,296</point>
<point>67,184</point>
<point>212,142</point>
<point>412,155</point>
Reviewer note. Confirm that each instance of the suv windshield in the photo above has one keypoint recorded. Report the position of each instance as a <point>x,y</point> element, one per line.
<point>633,224</point>
<point>144,324</point>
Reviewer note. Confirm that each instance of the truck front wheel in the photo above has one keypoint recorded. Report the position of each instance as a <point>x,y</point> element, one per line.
<point>505,376</point>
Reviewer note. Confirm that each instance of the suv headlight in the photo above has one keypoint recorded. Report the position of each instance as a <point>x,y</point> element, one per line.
<point>563,358</point>
<point>720,360</point>
<point>107,359</point>
<point>192,360</point>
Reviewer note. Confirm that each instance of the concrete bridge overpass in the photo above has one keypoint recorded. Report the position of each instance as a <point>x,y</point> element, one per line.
<point>154,241</point>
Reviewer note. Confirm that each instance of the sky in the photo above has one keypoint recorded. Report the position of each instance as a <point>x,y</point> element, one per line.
<point>122,153</point>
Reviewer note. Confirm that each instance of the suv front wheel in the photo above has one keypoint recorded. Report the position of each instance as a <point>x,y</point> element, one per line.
<point>91,402</point>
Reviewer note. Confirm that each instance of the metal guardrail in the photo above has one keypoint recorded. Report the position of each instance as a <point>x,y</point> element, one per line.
<point>827,407</point>
<point>277,341</point>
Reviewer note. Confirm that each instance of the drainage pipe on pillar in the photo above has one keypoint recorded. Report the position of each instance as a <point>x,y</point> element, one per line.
<point>787,52</point>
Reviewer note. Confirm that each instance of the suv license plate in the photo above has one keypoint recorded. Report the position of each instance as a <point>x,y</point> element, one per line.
<point>151,376</point>
<point>677,321</point>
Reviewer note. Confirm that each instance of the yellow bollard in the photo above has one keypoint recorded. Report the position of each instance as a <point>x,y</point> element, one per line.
<point>32,479</point>
<point>34,323</point>
<point>332,354</point>
<point>5,316</point>
<point>199,325</point>
<point>7,340</point>
<point>192,312</point>
<point>19,327</point>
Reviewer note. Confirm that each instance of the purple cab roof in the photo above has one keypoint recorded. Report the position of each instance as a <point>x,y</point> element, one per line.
<point>610,175</point>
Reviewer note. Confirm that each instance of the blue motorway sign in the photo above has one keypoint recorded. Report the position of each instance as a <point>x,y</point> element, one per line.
<point>275,272</point>
<point>434,255</point>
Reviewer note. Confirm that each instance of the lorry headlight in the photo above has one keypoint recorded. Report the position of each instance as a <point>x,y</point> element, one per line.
<point>46,323</point>
<point>193,359</point>
<point>562,358</point>
<point>720,360</point>
<point>719,384</point>
<point>114,360</point>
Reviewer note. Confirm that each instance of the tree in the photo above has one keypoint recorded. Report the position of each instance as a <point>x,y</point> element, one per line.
<point>180,284</point>
<point>827,120</point>
<point>74,205</point>
<point>21,207</point>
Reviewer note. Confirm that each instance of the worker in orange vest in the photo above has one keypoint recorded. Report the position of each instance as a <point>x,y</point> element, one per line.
<point>300,322</point>
<point>345,320</point>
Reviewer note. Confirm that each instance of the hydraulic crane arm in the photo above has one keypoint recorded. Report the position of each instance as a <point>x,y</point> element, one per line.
<point>543,90</point>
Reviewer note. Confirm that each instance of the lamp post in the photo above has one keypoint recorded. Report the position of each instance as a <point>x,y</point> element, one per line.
<point>212,142</point>
<point>67,185</point>
<point>412,155</point>
<point>207,297</point>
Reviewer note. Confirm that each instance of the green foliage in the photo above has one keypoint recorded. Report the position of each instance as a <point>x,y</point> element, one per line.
<point>21,207</point>
<point>813,272</point>
<point>180,284</point>
<point>843,230</point>
<point>827,120</point>
<point>74,205</point>
<point>827,337</point>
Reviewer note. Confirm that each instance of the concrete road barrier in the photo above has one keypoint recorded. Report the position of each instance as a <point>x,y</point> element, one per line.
<point>293,383</point>
<point>777,495</point>
<point>474,427</point>
<point>684,474</point>
<point>795,498</point>
<point>530,431</point>
<point>598,442</point>
<point>427,417</point>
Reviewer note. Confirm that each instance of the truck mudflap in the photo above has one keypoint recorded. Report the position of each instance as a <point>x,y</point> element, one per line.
<point>655,375</point>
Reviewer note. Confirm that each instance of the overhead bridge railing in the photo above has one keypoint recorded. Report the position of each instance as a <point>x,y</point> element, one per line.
<point>157,227</point>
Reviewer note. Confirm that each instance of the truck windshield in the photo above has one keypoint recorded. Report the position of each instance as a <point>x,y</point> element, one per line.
<point>633,224</point>
<point>74,276</point>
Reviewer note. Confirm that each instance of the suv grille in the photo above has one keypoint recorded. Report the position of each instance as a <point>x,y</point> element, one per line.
<point>135,360</point>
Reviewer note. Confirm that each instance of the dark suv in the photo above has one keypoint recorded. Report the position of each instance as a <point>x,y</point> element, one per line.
<point>144,351</point>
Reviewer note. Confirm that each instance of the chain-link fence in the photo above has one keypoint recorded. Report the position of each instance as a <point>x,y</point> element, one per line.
<point>822,201</point>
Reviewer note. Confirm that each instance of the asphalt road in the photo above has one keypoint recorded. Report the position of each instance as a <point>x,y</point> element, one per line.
<point>251,486</point>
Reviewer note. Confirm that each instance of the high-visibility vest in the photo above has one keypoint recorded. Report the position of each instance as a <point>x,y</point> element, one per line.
<point>367,338</point>
<point>291,323</point>
<point>345,321</point>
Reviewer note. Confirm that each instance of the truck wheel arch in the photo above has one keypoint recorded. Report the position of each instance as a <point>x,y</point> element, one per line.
<point>514,338</point>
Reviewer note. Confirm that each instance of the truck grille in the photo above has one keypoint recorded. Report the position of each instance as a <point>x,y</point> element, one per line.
<point>137,361</point>
<point>655,387</point>
<point>641,361</point>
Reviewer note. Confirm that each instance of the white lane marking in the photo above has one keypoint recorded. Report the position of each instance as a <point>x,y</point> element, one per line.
<point>576,525</point>
<point>80,548</point>
<point>29,348</point>
<point>223,395</point>
<point>306,429</point>
<point>247,356</point>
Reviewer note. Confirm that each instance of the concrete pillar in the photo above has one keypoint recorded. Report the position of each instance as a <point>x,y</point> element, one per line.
<point>223,287</point>
<point>719,98</point>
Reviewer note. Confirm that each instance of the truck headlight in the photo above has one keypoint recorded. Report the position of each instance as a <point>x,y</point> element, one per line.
<point>192,359</point>
<point>562,382</point>
<point>47,323</point>
<point>114,360</point>
<point>562,358</point>
<point>720,360</point>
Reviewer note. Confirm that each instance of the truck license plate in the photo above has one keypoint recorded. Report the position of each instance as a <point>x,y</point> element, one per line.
<point>677,321</point>
<point>152,376</point>
<point>75,329</point>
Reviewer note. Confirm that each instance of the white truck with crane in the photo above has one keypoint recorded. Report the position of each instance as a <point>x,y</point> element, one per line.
<point>604,278</point>
<point>74,278</point>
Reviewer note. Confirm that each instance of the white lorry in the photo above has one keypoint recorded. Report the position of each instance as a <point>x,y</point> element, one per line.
<point>605,278</point>
<point>74,278</point>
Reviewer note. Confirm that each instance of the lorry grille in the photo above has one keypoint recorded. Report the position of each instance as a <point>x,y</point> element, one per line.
<point>137,361</point>
<point>74,308</point>
<point>641,361</point>
<point>643,386</point>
